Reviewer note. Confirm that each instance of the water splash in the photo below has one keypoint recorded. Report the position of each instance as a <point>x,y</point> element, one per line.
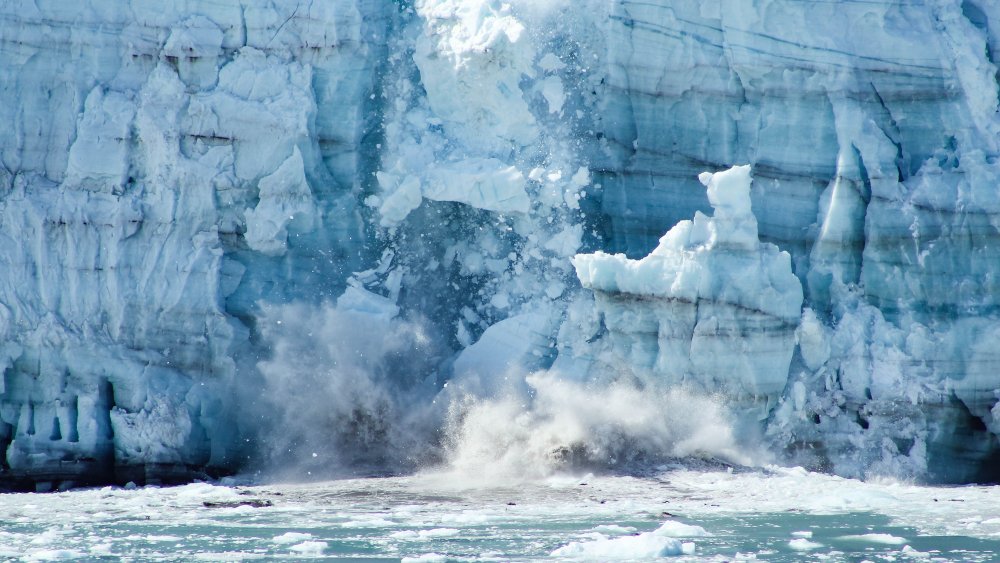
<point>441,355</point>
<point>562,425</point>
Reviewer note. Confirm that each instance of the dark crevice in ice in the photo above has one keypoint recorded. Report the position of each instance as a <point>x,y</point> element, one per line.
<point>56,433</point>
<point>105,403</point>
<point>893,133</point>
<point>73,413</point>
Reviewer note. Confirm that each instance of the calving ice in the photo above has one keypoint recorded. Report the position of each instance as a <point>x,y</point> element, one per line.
<point>711,307</point>
<point>499,238</point>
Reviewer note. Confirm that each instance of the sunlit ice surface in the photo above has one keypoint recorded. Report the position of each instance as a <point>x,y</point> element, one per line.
<point>689,512</point>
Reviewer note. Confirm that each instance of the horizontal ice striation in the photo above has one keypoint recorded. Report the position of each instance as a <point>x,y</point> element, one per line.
<point>872,131</point>
<point>710,308</point>
<point>164,168</point>
<point>693,85</point>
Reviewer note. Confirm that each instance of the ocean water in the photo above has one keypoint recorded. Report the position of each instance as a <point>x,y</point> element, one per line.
<point>684,512</point>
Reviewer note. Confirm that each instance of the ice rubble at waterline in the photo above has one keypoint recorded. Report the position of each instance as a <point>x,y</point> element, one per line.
<point>178,181</point>
<point>719,516</point>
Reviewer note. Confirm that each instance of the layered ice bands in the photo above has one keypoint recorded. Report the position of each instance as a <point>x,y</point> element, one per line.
<point>164,168</point>
<point>186,189</point>
<point>711,307</point>
<point>872,131</point>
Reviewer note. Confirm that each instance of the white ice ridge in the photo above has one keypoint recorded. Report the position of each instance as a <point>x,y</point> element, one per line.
<point>710,305</point>
<point>715,259</point>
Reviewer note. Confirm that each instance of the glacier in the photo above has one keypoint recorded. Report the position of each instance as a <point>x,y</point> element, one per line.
<point>718,308</point>
<point>345,234</point>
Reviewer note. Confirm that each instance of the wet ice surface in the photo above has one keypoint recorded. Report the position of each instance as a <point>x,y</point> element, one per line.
<point>682,513</point>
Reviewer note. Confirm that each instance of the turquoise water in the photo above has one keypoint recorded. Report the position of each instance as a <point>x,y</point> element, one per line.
<point>771,515</point>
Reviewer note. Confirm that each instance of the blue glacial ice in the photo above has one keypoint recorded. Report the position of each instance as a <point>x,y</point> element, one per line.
<point>711,307</point>
<point>334,233</point>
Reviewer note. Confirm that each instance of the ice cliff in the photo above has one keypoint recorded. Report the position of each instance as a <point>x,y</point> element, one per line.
<point>232,232</point>
<point>164,167</point>
<point>710,307</point>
